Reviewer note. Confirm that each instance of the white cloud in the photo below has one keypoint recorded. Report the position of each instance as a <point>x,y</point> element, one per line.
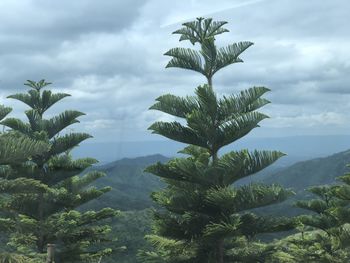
<point>308,120</point>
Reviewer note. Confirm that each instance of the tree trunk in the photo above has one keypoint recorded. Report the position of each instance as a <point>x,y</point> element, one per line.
<point>41,242</point>
<point>220,245</point>
<point>220,251</point>
<point>210,81</point>
<point>50,253</point>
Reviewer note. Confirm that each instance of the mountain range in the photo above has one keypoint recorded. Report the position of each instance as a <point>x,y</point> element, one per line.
<point>131,188</point>
<point>297,148</point>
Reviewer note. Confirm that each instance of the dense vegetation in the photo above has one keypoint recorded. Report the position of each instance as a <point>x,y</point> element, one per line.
<point>134,223</point>
<point>201,207</point>
<point>45,212</point>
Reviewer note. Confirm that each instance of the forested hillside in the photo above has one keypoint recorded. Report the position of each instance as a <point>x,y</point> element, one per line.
<point>131,186</point>
<point>131,189</point>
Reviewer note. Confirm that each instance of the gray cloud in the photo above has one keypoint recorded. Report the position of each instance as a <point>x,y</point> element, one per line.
<point>66,19</point>
<point>109,56</point>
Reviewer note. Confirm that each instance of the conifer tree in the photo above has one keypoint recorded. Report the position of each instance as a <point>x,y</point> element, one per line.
<point>203,216</point>
<point>15,149</point>
<point>328,238</point>
<point>50,215</point>
<point>342,192</point>
<point>342,213</point>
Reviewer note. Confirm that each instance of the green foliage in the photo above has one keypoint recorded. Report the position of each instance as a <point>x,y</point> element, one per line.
<point>200,29</point>
<point>311,246</point>
<point>15,149</point>
<point>325,234</point>
<point>209,59</point>
<point>203,216</point>
<point>42,186</point>
<point>16,258</point>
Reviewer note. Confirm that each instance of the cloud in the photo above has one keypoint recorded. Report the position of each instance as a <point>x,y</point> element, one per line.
<point>308,120</point>
<point>66,19</point>
<point>110,58</point>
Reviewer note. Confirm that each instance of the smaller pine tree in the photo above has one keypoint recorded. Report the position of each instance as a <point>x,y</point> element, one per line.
<point>342,212</point>
<point>323,224</point>
<point>51,215</point>
<point>15,149</point>
<point>325,233</point>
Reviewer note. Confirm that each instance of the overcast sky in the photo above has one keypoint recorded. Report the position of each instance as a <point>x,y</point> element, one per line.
<point>108,55</point>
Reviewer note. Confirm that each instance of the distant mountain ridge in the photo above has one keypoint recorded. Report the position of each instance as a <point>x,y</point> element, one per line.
<point>303,175</point>
<point>132,187</point>
<point>141,161</point>
<point>297,148</point>
<point>317,171</point>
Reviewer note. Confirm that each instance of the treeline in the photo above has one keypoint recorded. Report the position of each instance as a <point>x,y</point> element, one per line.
<point>200,216</point>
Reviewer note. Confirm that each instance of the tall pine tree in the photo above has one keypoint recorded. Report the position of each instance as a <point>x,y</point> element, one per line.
<point>203,216</point>
<point>50,215</point>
